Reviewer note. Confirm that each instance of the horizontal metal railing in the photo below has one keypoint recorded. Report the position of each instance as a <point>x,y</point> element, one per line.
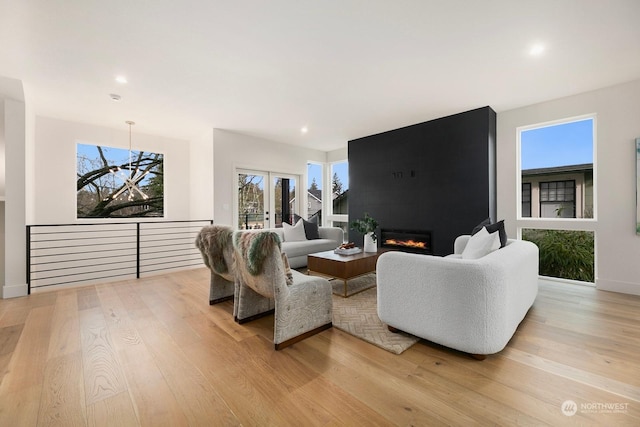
<point>61,254</point>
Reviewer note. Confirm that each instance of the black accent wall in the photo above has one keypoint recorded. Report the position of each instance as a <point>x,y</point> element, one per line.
<point>438,176</point>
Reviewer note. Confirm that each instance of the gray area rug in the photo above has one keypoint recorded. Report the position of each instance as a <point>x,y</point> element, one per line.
<point>358,316</point>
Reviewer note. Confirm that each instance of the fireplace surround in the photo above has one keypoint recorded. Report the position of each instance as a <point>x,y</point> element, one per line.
<point>438,175</point>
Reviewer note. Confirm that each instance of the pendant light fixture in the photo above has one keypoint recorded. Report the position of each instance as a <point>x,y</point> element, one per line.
<point>131,178</point>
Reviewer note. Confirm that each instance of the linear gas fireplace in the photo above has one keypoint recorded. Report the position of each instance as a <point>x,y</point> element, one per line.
<point>416,241</point>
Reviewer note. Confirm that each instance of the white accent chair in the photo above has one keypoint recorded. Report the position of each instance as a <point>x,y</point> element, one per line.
<point>471,305</point>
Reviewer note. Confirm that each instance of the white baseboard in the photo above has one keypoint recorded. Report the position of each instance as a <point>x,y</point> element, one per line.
<point>14,291</point>
<point>615,286</point>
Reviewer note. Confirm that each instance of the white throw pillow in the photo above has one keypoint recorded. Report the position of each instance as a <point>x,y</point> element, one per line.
<point>481,244</point>
<point>294,233</point>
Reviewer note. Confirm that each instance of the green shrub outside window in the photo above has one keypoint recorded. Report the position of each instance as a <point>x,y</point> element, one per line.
<point>566,254</point>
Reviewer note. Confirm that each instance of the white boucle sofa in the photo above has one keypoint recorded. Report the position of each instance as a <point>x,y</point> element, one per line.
<point>330,238</point>
<point>471,305</point>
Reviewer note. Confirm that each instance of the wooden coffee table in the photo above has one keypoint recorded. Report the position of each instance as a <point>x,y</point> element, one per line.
<point>343,267</point>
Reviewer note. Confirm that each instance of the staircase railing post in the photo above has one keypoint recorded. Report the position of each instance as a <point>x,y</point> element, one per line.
<point>28,260</point>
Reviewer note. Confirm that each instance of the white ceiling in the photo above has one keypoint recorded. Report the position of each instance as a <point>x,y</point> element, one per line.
<point>344,68</point>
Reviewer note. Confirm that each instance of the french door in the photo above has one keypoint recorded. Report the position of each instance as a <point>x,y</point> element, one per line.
<point>265,199</point>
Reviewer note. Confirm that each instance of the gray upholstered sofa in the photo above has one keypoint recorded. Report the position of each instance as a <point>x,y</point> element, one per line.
<point>330,238</point>
<point>472,305</point>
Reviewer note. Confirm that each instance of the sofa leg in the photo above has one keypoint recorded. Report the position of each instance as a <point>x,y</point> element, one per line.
<point>479,356</point>
<point>392,329</point>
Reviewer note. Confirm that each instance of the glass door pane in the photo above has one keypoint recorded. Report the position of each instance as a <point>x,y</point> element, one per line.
<point>284,202</point>
<point>252,208</point>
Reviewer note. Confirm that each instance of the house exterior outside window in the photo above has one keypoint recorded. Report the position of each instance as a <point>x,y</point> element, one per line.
<point>558,192</point>
<point>526,199</point>
<point>314,207</point>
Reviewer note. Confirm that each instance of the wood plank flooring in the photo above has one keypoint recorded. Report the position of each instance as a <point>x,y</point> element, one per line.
<point>152,352</point>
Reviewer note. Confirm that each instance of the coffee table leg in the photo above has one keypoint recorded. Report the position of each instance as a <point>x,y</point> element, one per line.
<point>345,288</point>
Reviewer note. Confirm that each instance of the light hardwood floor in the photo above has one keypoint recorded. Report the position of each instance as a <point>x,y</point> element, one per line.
<point>152,352</point>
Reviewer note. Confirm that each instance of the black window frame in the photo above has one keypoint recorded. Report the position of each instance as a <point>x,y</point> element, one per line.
<point>554,186</point>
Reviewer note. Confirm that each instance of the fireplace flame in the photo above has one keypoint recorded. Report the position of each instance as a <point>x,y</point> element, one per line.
<point>406,243</point>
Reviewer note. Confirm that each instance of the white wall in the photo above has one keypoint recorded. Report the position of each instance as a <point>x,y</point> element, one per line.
<point>338,155</point>
<point>54,167</point>
<point>617,126</point>
<point>2,161</point>
<point>201,176</point>
<point>2,250</point>
<point>15,122</point>
<point>234,150</point>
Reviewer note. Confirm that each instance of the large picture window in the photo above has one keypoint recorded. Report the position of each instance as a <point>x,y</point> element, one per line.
<point>557,170</point>
<point>558,187</point>
<point>117,183</point>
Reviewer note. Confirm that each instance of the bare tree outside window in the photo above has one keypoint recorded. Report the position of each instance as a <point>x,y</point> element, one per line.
<point>250,201</point>
<point>112,184</point>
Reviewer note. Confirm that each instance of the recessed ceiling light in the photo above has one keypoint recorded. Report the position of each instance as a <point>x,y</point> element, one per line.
<point>115,97</point>
<point>304,129</point>
<point>121,79</point>
<point>536,50</point>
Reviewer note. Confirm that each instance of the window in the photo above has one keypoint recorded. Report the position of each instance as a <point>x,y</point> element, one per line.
<point>338,203</point>
<point>314,192</point>
<point>558,199</point>
<point>117,183</point>
<point>566,254</point>
<point>558,186</point>
<point>340,188</point>
<point>557,169</point>
<point>526,199</point>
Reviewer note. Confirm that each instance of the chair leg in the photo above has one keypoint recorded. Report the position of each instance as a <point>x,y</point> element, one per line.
<point>219,300</point>
<point>479,356</point>
<point>294,340</point>
<point>220,289</point>
<point>254,317</point>
<point>302,310</point>
<point>250,305</point>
